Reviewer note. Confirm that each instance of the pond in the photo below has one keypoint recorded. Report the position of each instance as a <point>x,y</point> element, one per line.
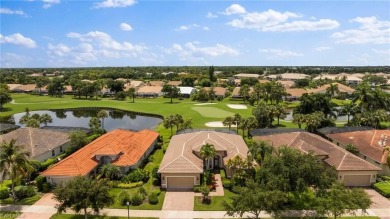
<point>117,119</point>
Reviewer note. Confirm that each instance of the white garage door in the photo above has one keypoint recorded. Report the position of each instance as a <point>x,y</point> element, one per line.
<point>180,183</point>
<point>357,180</point>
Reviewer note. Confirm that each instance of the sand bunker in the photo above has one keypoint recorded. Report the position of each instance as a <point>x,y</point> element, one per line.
<point>237,106</point>
<point>216,124</point>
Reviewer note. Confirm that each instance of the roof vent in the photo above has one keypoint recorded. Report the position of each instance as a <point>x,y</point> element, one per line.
<point>36,145</point>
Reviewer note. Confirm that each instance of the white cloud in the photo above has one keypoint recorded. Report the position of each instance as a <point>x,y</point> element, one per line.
<point>234,9</point>
<point>189,27</point>
<point>277,53</point>
<point>10,11</point>
<point>272,20</point>
<point>371,31</point>
<point>125,27</point>
<point>18,39</point>
<point>211,15</point>
<point>114,4</point>
<point>382,52</point>
<point>59,49</point>
<point>322,48</point>
<point>323,24</point>
<point>49,3</point>
<point>192,50</point>
<point>12,60</point>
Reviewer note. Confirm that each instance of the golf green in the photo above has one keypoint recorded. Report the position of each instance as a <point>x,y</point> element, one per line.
<point>212,112</point>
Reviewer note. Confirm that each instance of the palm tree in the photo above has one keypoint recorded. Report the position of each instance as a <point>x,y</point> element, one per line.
<point>244,92</point>
<point>237,120</point>
<point>252,123</point>
<point>363,94</point>
<point>45,118</point>
<point>348,110</point>
<point>332,90</point>
<point>379,116</point>
<point>169,122</point>
<point>259,150</point>
<point>131,93</point>
<point>259,91</point>
<point>94,124</point>
<point>244,125</point>
<point>178,121</point>
<point>207,152</point>
<point>13,162</point>
<point>280,112</point>
<point>298,119</point>
<point>101,115</point>
<point>228,121</point>
<point>211,94</point>
<point>33,123</point>
<point>110,171</point>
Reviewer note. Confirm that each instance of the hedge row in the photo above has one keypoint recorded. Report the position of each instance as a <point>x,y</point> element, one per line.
<point>383,188</point>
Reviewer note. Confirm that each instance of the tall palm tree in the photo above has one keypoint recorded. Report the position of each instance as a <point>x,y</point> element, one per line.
<point>45,118</point>
<point>228,121</point>
<point>244,125</point>
<point>252,123</point>
<point>207,152</point>
<point>110,171</point>
<point>169,122</point>
<point>348,110</point>
<point>131,93</point>
<point>332,90</point>
<point>101,115</point>
<point>244,92</point>
<point>178,121</point>
<point>13,162</point>
<point>259,150</point>
<point>237,120</point>
<point>363,94</point>
<point>298,119</point>
<point>280,112</point>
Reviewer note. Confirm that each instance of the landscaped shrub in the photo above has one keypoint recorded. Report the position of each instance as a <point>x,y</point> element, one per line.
<point>220,98</point>
<point>142,191</point>
<point>113,183</point>
<point>46,187</point>
<point>383,188</point>
<point>40,180</point>
<point>136,199</point>
<point>137,175</point>
<point>47,163</point>
<point>4,192</point>
<point>150,158</point>
<point>227,183</point>
<point>24,191</point>
<point>7,183</point>
<point>129,185</point>
<point>124,197</point>
<point>384,178</point>
<point>157,192</point>
<point>197,188</point>
<point>159,145</point>
<point>153,199</point>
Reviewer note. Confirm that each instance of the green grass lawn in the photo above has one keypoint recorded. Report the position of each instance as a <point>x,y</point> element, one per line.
<point>212,112</point>
<point>9,215</point>
<point>383,188</point>
<point>25,201</point>
<point>216,202</point>
<point>79,216</point>
<point>145,206</point>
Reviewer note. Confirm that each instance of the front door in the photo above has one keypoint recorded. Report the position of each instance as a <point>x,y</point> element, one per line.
<point>216,161</point>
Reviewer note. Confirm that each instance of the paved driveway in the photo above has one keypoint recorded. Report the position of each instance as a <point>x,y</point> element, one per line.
<point>46,200</point>
<point>179,201</point>
<point>378,201</point>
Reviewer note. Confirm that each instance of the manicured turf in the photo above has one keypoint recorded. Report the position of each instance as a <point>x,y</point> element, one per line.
<point>9,215</point>
<point>216,202</point>
<point>25,201</point>
<point>79,216</point>
<point>383,188</point>
<point>145,206</point>
<point>212,112</point>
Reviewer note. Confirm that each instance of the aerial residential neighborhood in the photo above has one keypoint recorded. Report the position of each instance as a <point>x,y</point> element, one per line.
<point>119,109</point>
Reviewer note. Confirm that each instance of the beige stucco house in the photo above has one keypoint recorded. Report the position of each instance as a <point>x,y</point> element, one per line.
<point>351,170</point>
<point>182,167</point>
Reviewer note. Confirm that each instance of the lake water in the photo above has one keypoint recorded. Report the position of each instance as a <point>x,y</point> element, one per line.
<point>81,117</point>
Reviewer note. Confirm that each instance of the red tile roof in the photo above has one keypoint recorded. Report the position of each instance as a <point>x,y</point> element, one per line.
<point>128,145</point>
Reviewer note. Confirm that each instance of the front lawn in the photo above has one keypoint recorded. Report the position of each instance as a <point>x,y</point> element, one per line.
<point>144,206</point>
<point>25,201</point>
<point>9,214</point>
<point>383,188</point>
<point>79,216</point>
<point>216,202</point>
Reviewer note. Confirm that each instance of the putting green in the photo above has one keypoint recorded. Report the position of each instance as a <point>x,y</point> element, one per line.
<point>212,112</point>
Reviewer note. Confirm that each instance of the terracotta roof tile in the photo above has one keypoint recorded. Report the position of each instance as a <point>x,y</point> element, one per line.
<point>128,145</point>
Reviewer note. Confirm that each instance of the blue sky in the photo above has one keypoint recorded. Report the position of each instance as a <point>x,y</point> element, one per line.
<point>64,33</point>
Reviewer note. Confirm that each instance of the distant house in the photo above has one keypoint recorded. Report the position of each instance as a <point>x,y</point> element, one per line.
<point>150,91</point>
<point>295,93</point>
<point>342,88</point>
<point>26,88</point>
<point>371,144</point>
<point>236,92</point>
<point>41,143</point>
<point>122,148</point>
<point>245,75</point>
<point>219,91</point>
<point>182,166</point>
<point>287,77</point>
<point>175,83</point>
<point>187,91</point>
<point>350,79</point>
<point>351,170</point>
<point>136,84</point>
<point>287,84</point>
<point>156,83</point>
<point>13,86</point>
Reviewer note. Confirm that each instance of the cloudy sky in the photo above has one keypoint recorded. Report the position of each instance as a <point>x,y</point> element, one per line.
<point>71,33</point>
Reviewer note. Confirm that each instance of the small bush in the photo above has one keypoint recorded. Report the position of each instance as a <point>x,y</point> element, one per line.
<point>137,175</point>
<point>4,192</point>
<point>113,183</point>
<point>157,192</point>
<point>40,180</point>
<point>136,199</point>
<point>159,145</point>
<point>384,178</point>
<point>383,188</point>
<point>197,188</point>
<point>142,191</point>
<point>124,197</point>
<point>24,191</point>
<point>227,183</point>
<point>150,158</point>
<point>47,163</point>
<point>46,187</point>
<point>153,199</point>
<point>7,183</point>
<point>129,185</point>
<point>220,98</point>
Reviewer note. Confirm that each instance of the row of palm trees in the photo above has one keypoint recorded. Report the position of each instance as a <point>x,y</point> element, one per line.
<point>243,123</point>
<point>178,121</point>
